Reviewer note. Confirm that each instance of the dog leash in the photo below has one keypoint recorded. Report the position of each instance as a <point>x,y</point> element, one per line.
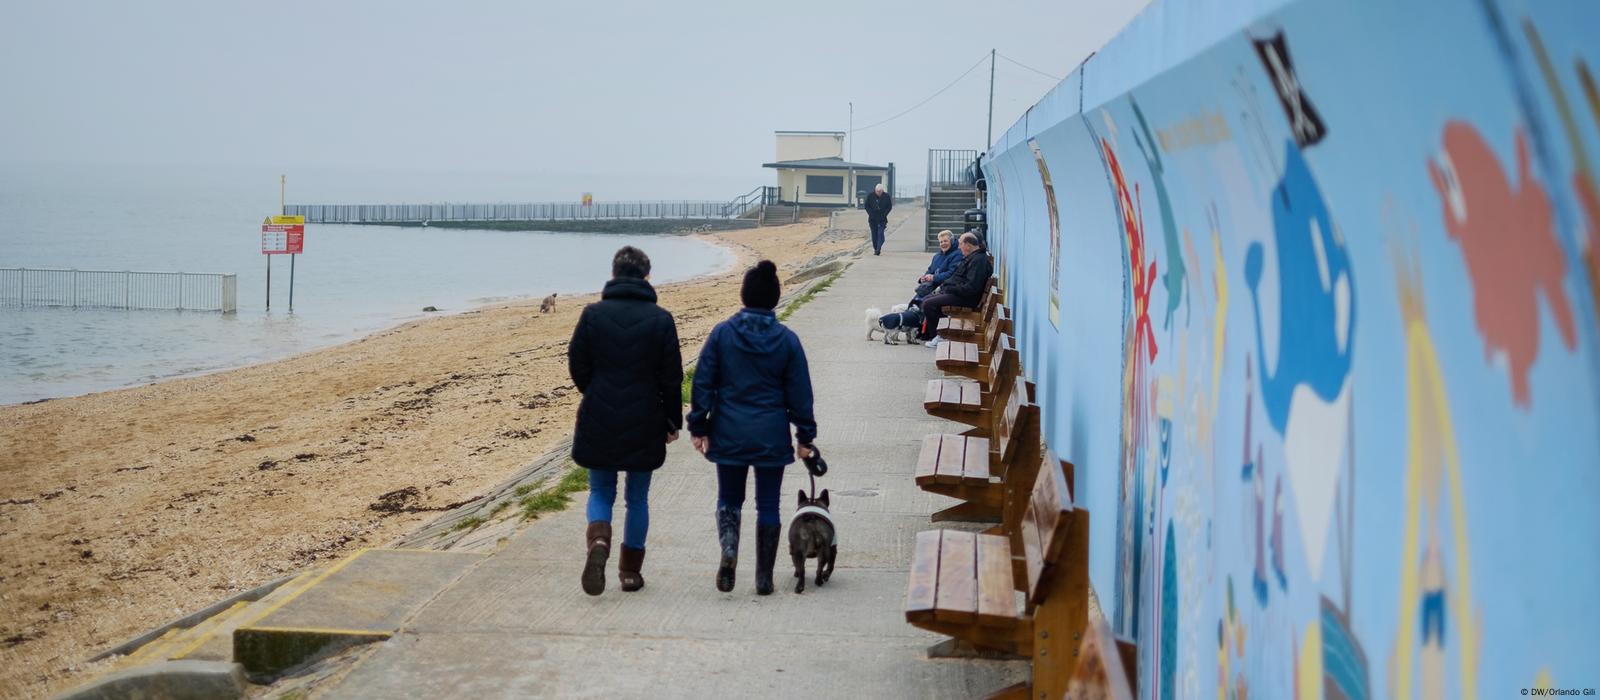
<point>815,466</point>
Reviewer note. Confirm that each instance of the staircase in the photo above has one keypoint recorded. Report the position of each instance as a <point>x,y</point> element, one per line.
<point>947,209</point>
<point>950,193</point>
<point>779,214</point>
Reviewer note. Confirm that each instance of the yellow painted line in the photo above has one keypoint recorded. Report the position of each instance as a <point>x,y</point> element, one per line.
<point>308,586</point>
<point>318,630</point>
<point>143,653</point>
<point>212,625</point>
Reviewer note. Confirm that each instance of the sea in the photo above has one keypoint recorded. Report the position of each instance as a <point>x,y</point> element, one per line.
<point>351,280</point>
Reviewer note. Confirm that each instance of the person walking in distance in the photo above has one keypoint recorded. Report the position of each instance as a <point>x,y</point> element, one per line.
<point>750,385</point>
<point>624,359</point>
<point>878,205</point>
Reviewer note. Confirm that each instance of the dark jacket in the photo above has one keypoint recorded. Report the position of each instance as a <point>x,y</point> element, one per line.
<point>970,277</point>
<point>752,382</point>
<point>944,264</point>
<point>624,358</point>
<point>878,206</point>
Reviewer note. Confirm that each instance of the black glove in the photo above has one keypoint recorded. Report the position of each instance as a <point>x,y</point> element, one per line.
<point>815,463</point>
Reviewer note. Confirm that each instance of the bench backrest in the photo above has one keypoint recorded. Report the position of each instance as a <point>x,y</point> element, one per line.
<point>1105,664</point>
<point>1003,364</point>
<point>1014,427</point>
<point>1045,524</point>
<point>998,325</point>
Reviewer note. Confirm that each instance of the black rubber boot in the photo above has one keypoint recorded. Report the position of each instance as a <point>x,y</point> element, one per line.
<point>766,556</point>
<point>728,538</point>
<point>594,569</point>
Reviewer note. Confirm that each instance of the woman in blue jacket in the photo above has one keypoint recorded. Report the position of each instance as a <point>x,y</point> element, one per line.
<point>944,263</point>
<point>750,385</point>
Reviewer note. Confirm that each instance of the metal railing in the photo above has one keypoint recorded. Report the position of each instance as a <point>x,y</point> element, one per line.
<point>950,167</point>
<point>118,289</point>
<point>947,169</point>
<point>532,211</point>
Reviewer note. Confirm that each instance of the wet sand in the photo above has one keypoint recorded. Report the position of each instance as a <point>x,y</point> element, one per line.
<point>124,509</point>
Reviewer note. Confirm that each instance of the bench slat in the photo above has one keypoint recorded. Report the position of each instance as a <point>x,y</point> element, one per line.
<point>995,586</point>
<point>922,590</point>
<point>952,450</point>
<point>971,395</point>
<point>1032,553</point>
<point>928,459</point>
<point>957,598</point>
<point>976,460</point>
<point>934,391</point>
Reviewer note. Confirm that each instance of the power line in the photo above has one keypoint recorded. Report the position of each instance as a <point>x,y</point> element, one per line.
<point>1020,64</point>
<point>926,100</point>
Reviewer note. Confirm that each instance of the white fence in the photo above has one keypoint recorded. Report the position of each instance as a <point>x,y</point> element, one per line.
<point>117,289</point>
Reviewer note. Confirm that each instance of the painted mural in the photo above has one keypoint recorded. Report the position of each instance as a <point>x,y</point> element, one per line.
<point>1294,258</point>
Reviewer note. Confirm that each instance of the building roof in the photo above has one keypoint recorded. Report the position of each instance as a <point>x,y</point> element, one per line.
<point>834,163</point>
<point>813,133</point>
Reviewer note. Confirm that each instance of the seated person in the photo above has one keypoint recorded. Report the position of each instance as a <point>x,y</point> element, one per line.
<point>964,287</point>
<point>943,265</point>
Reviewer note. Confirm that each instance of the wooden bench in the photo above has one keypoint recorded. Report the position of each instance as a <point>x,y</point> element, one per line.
<point>1106,664</point>
<point>970,401</point>
<point>963,584</point>
<point>967,359</point>
<point>966,325</point>
<point>980,470</point>
<point>991,289</point>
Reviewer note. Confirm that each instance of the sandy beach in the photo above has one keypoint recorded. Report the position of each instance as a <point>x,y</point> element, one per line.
<point>123,509</point>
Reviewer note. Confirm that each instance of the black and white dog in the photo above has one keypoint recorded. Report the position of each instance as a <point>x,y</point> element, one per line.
<point>898,326</point>
<point>812,536</point>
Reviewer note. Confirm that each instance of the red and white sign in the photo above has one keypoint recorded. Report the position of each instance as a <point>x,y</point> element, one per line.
<point>283,235</point>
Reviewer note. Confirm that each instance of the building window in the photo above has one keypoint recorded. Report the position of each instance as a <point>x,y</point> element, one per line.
<point>866,183</point>
<point>824,184</point>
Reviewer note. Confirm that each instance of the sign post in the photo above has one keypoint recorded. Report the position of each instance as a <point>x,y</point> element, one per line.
<point>282,235</point>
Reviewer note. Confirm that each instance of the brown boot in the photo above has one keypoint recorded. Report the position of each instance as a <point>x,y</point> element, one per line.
<point>628,567</point>
<point>594,570</point>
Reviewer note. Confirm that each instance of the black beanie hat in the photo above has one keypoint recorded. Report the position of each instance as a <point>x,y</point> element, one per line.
<point>760,290</point>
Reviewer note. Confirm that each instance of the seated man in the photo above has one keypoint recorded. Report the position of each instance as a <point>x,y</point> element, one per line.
<point>963,288</point>
<point>943,265</point>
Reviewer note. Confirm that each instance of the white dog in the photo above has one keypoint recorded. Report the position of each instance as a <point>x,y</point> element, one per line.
<point>891,336</point>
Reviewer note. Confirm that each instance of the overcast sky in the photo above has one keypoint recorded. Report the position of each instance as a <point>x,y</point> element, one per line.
<point>596,92</point>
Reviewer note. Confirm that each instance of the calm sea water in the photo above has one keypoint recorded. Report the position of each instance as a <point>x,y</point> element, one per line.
<point>352,280</point>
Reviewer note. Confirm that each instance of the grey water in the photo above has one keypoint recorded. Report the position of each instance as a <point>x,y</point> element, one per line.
<point>351,280</point>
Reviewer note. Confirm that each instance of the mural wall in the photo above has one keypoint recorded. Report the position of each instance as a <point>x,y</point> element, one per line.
<point>1312,307</point>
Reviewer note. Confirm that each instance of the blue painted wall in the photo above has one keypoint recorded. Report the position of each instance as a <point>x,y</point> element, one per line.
<point>1316,321</point>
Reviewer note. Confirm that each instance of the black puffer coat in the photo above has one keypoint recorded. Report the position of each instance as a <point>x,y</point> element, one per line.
<point>971,276</point>
<point>878,206</point>
<point>624,358</point>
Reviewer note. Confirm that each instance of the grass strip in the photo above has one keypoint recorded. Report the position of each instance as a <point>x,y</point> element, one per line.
<point>808,296</point>
<point>550,500</point>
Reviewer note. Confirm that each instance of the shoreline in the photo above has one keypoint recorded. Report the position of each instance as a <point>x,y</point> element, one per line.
<point>119,509</point>
<point>399,320</point>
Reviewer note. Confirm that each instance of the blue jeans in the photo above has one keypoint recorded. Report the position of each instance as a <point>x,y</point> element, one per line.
<point>603,493</point>
<point>769,485</point>
<point>877,236</point>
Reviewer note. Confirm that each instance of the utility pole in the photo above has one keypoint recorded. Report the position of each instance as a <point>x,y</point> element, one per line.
<point>988,136</point>
<point>850,155</point>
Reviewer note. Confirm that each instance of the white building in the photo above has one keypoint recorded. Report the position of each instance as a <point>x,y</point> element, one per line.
<point>812,170</point>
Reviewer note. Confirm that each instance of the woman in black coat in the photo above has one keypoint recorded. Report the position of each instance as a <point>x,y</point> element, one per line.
<point>624,359</point>
<point>750,385</point>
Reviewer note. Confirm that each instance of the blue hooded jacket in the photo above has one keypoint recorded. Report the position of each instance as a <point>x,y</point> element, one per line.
<point>750,384</point>
<point>944,264</point>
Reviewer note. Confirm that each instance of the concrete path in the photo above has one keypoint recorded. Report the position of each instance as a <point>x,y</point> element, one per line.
<point>519,626</point>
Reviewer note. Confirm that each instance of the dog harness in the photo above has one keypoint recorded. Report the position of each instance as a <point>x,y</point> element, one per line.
<point>820,512</point>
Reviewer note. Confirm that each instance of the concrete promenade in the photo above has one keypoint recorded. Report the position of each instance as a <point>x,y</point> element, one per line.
<point>517,625</point>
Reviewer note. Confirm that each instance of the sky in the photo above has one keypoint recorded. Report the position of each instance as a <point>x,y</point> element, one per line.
<point>627,100</point>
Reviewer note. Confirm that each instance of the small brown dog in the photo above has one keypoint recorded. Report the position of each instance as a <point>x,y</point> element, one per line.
<point>548,305</point>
